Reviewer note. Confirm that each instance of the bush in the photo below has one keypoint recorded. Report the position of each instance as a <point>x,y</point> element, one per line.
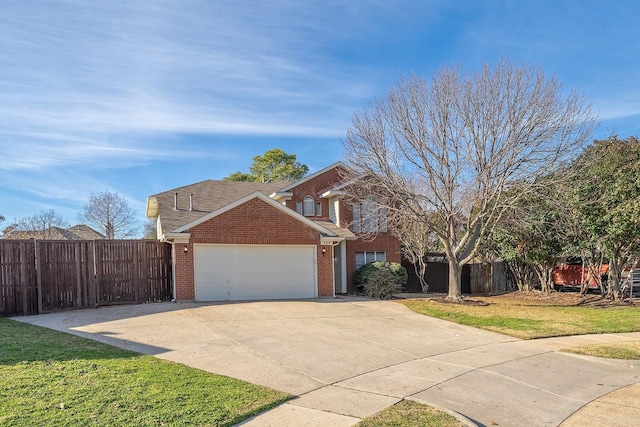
<point>380,279</point>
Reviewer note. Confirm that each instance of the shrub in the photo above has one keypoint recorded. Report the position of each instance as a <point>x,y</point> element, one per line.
<point>380,279</point>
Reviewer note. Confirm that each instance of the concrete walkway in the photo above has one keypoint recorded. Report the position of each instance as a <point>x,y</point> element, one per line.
<point>349,358</point>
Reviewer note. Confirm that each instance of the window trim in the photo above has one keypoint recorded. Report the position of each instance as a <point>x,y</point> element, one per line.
<point>377,256</point>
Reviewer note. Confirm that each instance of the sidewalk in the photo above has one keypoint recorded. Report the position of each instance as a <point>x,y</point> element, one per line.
<point>619,408</point>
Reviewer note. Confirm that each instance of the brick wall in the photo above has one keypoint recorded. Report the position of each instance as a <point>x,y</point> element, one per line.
<point>314,188</point>
<point>325,272</point>
<point>185,290</point>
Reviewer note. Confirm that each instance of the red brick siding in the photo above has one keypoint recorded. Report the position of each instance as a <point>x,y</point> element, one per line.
<point>314,188</point>
<point>185,290</point>
<point>254,222</point>
<point>325,272</point>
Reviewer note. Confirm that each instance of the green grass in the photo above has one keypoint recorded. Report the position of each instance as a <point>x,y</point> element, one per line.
<point>55,379</point>
<point>629,350</point>
<point>527,321</point>
<point>410,414</point>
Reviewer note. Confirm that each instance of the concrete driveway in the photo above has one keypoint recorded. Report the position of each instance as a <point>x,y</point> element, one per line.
<point>349,358</point>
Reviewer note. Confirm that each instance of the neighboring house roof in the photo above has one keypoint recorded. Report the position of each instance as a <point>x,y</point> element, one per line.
<point>197,200</point>
<point>84,232</point>
<point>77,232</point>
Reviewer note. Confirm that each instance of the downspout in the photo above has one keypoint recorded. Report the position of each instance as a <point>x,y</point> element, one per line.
<point>173,271</point>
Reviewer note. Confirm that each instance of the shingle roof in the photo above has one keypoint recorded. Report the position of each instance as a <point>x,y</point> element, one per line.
<point>77,232</point>
<point>338,231</point>
<point>84,232</point>
<point>208,196</point>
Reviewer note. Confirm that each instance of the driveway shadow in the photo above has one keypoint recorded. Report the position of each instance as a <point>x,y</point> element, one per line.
<point>21,342</point>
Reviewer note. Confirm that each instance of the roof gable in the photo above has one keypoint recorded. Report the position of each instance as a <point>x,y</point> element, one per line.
<point>314,175</point>
<point>264,198</point>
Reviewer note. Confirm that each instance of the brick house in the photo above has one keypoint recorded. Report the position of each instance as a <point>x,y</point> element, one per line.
<point>279,240</point>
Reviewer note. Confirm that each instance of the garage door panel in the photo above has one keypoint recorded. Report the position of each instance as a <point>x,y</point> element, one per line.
<point>245,272</point>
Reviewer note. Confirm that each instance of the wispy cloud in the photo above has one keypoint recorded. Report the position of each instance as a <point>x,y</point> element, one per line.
<point>76,73</point>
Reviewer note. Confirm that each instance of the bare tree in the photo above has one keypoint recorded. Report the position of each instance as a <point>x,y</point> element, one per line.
<point>444,153</point>
<point>110,213</point>
<point>416,241</point>
<point>39,226</point>
<point>150,229</point>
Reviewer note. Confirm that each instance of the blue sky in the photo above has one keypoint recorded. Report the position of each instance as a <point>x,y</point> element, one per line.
<point>139,97</point>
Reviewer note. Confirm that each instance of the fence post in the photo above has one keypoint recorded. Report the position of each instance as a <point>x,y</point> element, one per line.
<point>145,262</point>
<point>36,256</point>
<point>23,278</point>
<point>93,287</point>
<point>76,250</point>
<point>136,272</point>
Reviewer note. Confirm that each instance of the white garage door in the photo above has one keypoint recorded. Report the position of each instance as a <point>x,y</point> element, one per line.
<point>248,272</point>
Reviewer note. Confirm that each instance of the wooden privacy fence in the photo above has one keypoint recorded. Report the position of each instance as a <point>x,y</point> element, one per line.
<point>477,278</point>
<point>46,275</point>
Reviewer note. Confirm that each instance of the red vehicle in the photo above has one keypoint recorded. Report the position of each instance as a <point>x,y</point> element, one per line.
<point>572,274</point>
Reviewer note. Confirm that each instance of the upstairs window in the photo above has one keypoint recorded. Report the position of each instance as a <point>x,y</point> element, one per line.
<point>368,217</point>
<point>308,206</point>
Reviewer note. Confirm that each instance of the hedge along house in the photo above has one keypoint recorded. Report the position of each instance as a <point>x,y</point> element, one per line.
<point>250,241</point>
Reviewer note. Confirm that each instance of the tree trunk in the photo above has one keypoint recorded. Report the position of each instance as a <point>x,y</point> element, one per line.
<point>613,281</point>
<point>520,275</point>
<point>544,277</point>
<point>420,267</point>
<point>455,281</point>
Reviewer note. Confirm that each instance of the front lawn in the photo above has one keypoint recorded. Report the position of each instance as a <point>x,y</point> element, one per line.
<point>523,317</point>
<point>629,350</point>
<point>52,378</point>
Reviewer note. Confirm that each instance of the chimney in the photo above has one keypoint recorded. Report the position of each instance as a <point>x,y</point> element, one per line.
<point>191,201</point>
<point>175,202</point>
